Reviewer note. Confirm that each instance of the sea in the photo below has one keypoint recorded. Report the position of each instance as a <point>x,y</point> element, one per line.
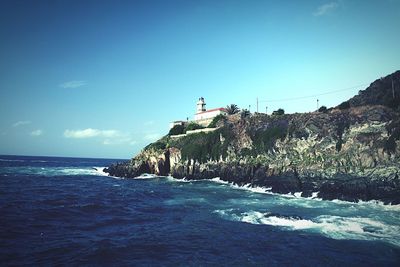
<point>67,211</point>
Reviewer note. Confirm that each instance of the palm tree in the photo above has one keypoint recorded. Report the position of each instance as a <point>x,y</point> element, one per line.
<point>232,109</point>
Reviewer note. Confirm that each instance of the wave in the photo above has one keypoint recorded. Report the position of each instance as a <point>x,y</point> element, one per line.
<point>53,171</point>
<point>146,176</point>
<point>336,227</point>
<point>314,195</point>
<point>12,160</point>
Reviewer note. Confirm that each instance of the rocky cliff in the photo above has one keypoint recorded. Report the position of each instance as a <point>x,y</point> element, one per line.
<point>350,152</point>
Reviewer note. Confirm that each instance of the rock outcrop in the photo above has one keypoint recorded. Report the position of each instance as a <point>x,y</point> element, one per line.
<point>349,153</point>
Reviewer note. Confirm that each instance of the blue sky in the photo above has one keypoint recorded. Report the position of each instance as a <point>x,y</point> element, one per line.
<point>105,78</point>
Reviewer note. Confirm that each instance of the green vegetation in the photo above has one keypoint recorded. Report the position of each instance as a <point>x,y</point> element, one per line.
<point>394,130</point>
<point>264,140</point>
<point>193,126</point>
<point>158,145</point>
<point>177,129</point>
<point>340,128</point>
<point>245,113</point>
<point>232,109</point>
<point>181,129</point>
<point>216,119</point>
<point>323,109</point>
<point>204,146</point>
<point>279,112</point>
<point>344,105</point>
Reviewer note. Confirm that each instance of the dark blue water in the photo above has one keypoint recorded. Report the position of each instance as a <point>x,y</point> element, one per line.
<point>62,211</point>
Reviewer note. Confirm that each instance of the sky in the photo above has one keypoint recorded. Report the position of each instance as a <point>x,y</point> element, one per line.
<point>105,78</point>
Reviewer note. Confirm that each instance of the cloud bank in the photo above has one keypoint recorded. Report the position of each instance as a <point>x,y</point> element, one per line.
<point>37,132</point>
<point>20,123</point>
<point>89,132</point>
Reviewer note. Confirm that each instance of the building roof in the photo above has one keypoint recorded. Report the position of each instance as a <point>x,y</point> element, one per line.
<point>212,110</point>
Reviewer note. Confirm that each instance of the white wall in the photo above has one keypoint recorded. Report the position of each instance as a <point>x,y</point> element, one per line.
<point>208,115</point>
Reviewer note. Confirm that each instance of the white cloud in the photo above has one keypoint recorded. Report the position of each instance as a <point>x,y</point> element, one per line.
<point>73,84</point>
<point>152,137</point>
<point>325,9</point>
<point>37,132</point>
<point>89,132</point>
<point>20,123</point>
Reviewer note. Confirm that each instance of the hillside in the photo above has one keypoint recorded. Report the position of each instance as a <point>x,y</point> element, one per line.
<point>350,152</point>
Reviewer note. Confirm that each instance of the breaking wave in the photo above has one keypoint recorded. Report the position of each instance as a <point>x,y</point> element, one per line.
<point>53,171</point>
<point>336,227</point>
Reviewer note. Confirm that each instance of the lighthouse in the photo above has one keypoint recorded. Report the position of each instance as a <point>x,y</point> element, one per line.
<point>201,105</point>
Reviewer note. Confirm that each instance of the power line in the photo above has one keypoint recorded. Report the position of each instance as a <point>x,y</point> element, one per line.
<point>310,96</point>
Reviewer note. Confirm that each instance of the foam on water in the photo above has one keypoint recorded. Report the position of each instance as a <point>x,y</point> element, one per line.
<point>146,176</point>
<point>54,171</point>
<point>336,227</point>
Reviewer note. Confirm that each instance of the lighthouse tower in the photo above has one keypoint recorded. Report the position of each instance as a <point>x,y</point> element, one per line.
<point>201,105</point>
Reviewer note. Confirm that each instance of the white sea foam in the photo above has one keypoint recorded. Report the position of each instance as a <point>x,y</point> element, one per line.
<point>12,160</point>
<point>336,227</point>
<point>100,171</point>
<point>218,180</point>
<point>295,196</point>
<point>183,180</point>
<point>146,176</point>
<point>55,171</point>
<point>314,196</point>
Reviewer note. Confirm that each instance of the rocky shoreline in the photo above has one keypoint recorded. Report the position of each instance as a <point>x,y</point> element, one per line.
<point>351,152</point>
<point>339,186</point>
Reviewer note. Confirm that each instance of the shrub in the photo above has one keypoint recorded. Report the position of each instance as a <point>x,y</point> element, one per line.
<point>216,119</point>
<point>344,105</point>
<point>245,113</point>
<point>278,112</point>
<point>193,126</point>
<point>177,129</point>
<point>158,145</point>
<point>323,109</point>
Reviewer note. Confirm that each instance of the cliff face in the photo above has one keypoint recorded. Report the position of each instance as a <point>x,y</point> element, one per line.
<point>348,154</point>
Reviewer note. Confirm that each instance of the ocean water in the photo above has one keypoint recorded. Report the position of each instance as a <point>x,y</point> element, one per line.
<point>66,211</point>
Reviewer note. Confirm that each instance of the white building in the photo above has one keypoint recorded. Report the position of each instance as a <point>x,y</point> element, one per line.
<point>204,116</point>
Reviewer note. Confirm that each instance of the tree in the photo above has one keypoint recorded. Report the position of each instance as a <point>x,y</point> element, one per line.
<point>245,113</point>
<point>177,129</point>
<point>322,109</point>
<point>216,119</point>
<point>279,112</point>
<point>232,109</point>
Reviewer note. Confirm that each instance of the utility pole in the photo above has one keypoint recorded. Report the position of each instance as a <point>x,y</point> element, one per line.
<point>249,107</point>
<point>266,110</point>
<point>257,104</point>
<point>317,104</point>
